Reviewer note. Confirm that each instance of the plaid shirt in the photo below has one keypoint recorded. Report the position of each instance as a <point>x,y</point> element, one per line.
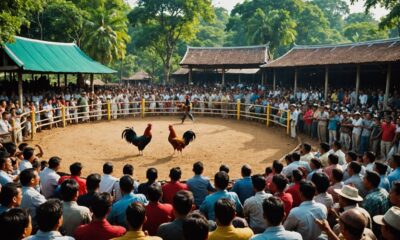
<point>377,202</point>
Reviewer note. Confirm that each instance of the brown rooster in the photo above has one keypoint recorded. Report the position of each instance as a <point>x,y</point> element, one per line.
<point>180,143</point>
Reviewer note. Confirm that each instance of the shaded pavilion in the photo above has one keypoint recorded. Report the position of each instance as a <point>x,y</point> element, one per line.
<point>137,77</point>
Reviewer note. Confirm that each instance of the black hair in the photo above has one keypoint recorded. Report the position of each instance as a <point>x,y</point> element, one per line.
<point>258,182</point>
<point>317,163</point>
<point>108,168</point>
<point>295,156</point>
<point>154,192</point>
<point>183,201</point>
<point>280,181</point>
<point>36,165</point>
<point>54,162</point>
<point>68,189</point>
<point>307,147</point>
<point>195,227</point>
<point>321,182</point>
<point>396,187</point>
<point>356,167</point>
<point>48,214</point>
<point>13,223</point>
<point>101,204</point>
<point>337,144</point>
<point>381,168</point>
<point>135,215</point>
<point>22,146</point>
<point>224,168</point>
<point>10,147</point>
<point>93,181</point>
<point>273,210</point>
<point>307,189</point>
<point>246,170</point>
<point>324,146</point>
<point>126,183</point>
<point>268,170</point>
<point>277,166</point>
<point>370,156</point>
<point>26,176</point>
<point>75,168</point>
<point>297,175</point>
<point>352,155</point>
<point>128,169</point>
<point>337,174</point>
<point>221,180</point>
<point>152,174</point>
<point>28,153</point>
<point>198,168</point>
<point>175,173</point>
<point>8,192</point>
<point>43,165</point>
<point>225,211</point>
<point>373,178</point>
<point>396,159</point>
<point>333,158</point>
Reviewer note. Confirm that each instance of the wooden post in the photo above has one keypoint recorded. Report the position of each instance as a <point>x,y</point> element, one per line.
<point>33,123</point>
<point>64,121</point>
<point>288,122</point>
<point>295,81</point>
<point>326,83</point>
<point>238,109</point>
<point>58,80</point>
<point>357,82</point>
<point>13,135</point>
<point>65,80</point>
<point>91,83</point>
<point>108,110</point>
<point>223,77</point>
<point>274,81</point>
<point>190,75</point>
<point>20,90</point>
<point>143,107</point>
<point>268,112</point>
<point>388,78</point>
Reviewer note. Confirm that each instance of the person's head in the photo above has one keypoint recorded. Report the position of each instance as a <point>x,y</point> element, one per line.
<point>337,175</point>
<point>224,168</point>
<point>5,162</point>
<point>29,177</point>
<point>126,184</point>
<point>390,223</point>
<point>336,145</point>
<point>246,170</point>
<point>101,204</point>
<point>151,174</point>
<point>352,224</point>
<point>54,163</point>
<point>225,211</point>
<point>297,175</point>
<point>354,168</point>
<point>315,164</point>
<point>273,211</point>
<point>36,165</point>
<point>108,168</point>
<point>182,202</point>
<point>22,146</point>
<point>76,169</point>
<point>307,191</point>
<point>154,192</point>
<point>395,161</point>
<point>305,148</point>
<point>28,153</point>
<point>371,180</point>
<point>93,182</point>
<point>43,165</point>
<point>380,168</point>
<point>175,174</point>
<point>350,156</point>
<point>369,157</point>
<point>324,147</point>
<point>15,224</point>
<point>11,195</point>
<point>10,147</point>
<point>295,157</point>
<point>288,159</point>
<point>348,196</point>
<point>69,190</point>
<point>268,171</point>
<point>198,168</point>
<point>278,184</point>
<point>128,169</point>
<point>321,182</point>
<point>333,159</point>
<point>258,182</point>
<point>394,194</point>
<point>277,167</point>
<point>136,216</point>
<point>388,119</point>
<point>195,227</point>
<point>221,180</point>
<point>49,215</point>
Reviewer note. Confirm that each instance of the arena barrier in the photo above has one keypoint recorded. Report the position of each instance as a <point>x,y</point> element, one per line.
<point>29,123</point>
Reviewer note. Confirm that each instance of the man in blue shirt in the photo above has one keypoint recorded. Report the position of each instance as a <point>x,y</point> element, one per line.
<point>244,187</point>
<point>5,167</point>
<point>199,185</point>
<point>118,211</point>
<point>221,181</point>
<point>395,164</point>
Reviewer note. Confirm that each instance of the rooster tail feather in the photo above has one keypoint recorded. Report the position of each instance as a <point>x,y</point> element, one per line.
<point>188,137</point>
<point>129,135</point>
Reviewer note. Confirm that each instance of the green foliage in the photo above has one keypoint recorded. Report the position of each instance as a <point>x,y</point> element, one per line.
<point>364,31</point>
<point>334,10</point>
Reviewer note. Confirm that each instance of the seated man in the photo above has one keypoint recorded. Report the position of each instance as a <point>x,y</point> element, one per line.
<point>49,177</point>
<point>225,212</point>
<point>15,224</point>
<point>274,214</point>
<point>107,180</point>
<point>199,185</point>
<point>92,186</point>
<point>390,227</point>
<point>151,175</point>
<point>195,227</point>
<point>76,171</point>
<point>243,187</point>
<point>171,188</point>
<point>10,196</point>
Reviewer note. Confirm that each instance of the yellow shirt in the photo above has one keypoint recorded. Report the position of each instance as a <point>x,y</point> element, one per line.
<point>137,235</point>
<point>230,233</point>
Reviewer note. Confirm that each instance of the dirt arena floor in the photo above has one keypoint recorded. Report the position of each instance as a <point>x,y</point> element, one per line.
<point>218,141</point>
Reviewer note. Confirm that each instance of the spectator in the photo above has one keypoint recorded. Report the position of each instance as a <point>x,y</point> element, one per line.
<point>99,228</point>
<point>224,168</point>
<point>336,183</point>
<point>10,196</point>
<point>126,170</point>
<point>395,164</point>
<point>350,157</point>
<point>301,219</point>
<point>49,219</point>
<point>31,198</point>
<point>322,118</point>
<point>394,195</point>
<point>195,227</point>
<point>381,169</point>
<point>199,185</point>
<point>221,181</point>
<point>252,208</point>
<point>243,187</point>
<point>136,217</point>
<point>333,163</point>
<point>276,169</point>
<point>315,165</point>
<point>182,203</point>
<point>174,186</point>
<point>277,188</point>
<point>73,214</point>
<point>107,180</point>
<point>368,160</point>
<point>376,135</point>
<point>337,150</point>
<point>274,214</point>
<point>29,156</point>
<point>376,202</point>
<point>15,224</point>
<point>305,153</point>
<point>324,153</point>
<point>355,179</point>
<point>388,134</point>
<point>345,131</point>
<point>295,163</point>
<point>49,177</point>
<point>390,223</point>
<point>117,214</point>
<point>5,168</point>
<point>92,186</point>
<point>356,133</point>
<point>321,182</point>
<point>294,189</point>
<point>76,171</point>
<point>151,175</point>
<point>333,126</point>
<point>157,213</point>
<point>225,212</point>
<point>367,124</point>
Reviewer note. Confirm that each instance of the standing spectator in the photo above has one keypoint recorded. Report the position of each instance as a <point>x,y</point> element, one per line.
<point>126,170</point>
<point>390,223</point>
<point>357,124</point>
<point>194,227</point>
<point>395,164</point>
<point>5,168</point>
<point>15,224</point>
<point>252,208</point>
<point>199,185</point>
<point>244,187</point>
<point>394,195</point>
<point>376,135</point>
<point>322,118</point>
<point>174,186</point>
<point>302,218</point>
<point>29,156</point>
<point>333,126</point>
<point>92,186</point>
<point>308,120</point>
<point>182,202</point>
<point>76,171</point>
<point>10,197</point>
<point>376,202</point>
<point>294,116</point>
<point>345,131</point>
<point>73,215</point>
<point>99,228</point>
<point>107,180</point>
<point>367,124</point>
<point>157,213</point>
<point>381,169</point>
<point>277,188</point>
<point>388,134</point>
<point>321,182</point>
<point>49,219</point>
<point>355,178</point>
<point>49,177</point>
<point>274,214</point>
<point>151,175</point>
<point>225,212</point>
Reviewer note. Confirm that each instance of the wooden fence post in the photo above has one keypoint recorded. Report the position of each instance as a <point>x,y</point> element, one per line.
<point>268,112</point>
<point>238,109</point>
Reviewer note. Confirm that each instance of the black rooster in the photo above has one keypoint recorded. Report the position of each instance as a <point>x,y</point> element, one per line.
<point>139,141</point>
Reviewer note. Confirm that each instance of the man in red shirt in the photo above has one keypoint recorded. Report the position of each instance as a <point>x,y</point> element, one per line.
<point>76,170</point>
<point>294,189</point>
<point>174,186</point>
<point>157,213</point>
<point>308,118</point>
<point>388,133</point>
<point>277,187</point>
<point>99,228</point>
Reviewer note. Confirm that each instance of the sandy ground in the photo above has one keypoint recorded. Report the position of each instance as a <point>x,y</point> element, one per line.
<point>218,141</point>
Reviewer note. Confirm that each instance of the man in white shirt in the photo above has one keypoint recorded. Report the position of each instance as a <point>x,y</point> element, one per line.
<point>357,128</point>
<point>305,153</point>
<point>355,179</point>
<point>5,127</point>
<point>323,118</point>
<point>29,156</point>
<point>295,164</point>
<point>49,177</point>
<point>293,120</point>
<point>107,180</point>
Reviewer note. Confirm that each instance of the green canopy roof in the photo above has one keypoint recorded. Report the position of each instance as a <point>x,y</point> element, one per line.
<point>42,56</point>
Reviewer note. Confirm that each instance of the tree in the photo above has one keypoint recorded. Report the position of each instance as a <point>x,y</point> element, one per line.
<point>165,23</point>
<point>364,31</point>
<point>14,13</point>
<point>334,10</point>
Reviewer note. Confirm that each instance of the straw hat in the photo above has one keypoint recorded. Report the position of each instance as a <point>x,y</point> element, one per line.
<point>349,192</point>
<point>357,113</point>
<point>391,217</point>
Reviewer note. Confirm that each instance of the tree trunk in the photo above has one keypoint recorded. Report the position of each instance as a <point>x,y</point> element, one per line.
<point>167,67</point>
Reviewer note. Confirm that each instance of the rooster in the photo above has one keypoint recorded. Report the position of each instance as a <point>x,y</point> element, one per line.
<point>139,141</point>
<point>180,143</point>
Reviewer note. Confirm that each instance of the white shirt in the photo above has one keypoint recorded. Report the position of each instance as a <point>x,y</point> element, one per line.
<point>288,170</point>
<point>324,198</point>
<point>253,209</point>
<point>357,124</point>
<point>277,233</point>
<point>307,157</point>
<point>5,126</point>
<point>48,182</point>
<point>25,164</point>
<point>31,199</point>
<point>294,116</point>
<point>107,183</point>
